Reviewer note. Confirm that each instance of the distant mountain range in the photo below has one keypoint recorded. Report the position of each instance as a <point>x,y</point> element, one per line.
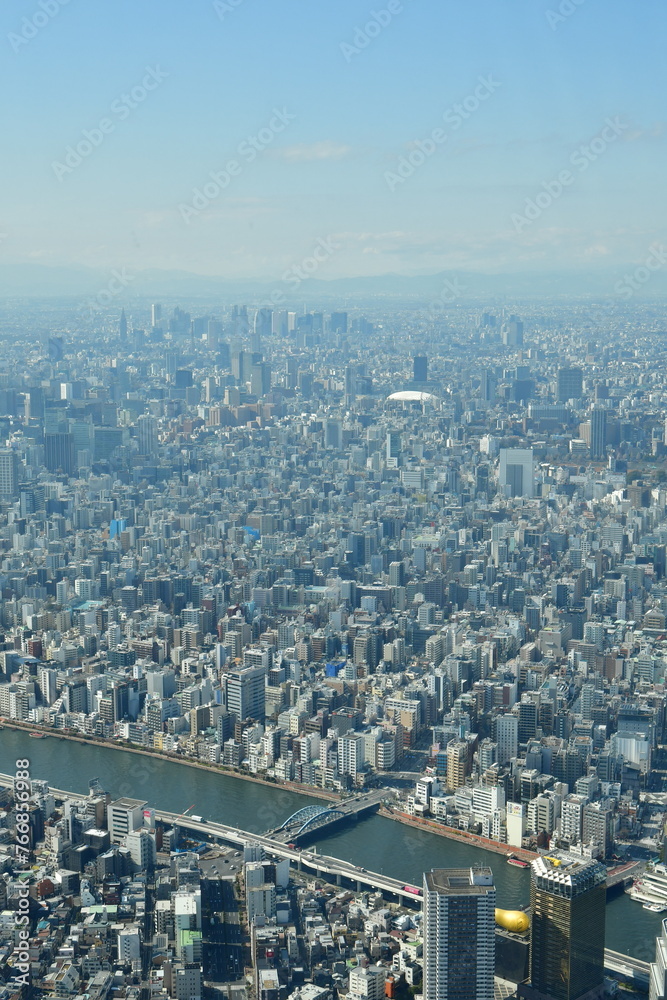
<point>41,281</point>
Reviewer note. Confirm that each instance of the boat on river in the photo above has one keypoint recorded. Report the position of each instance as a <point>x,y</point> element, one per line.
<point>517,862</point>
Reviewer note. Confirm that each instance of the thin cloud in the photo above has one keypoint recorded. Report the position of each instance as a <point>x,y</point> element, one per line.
<point>637,134</point>
<point>311,153</point>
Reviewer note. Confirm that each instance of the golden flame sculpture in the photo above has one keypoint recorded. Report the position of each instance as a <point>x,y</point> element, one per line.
<point>513,920</point>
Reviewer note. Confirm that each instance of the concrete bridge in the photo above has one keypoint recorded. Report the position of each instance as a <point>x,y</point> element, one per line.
<point>334,870</point>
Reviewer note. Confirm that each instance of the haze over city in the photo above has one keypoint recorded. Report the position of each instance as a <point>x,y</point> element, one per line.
<point>333,500</point>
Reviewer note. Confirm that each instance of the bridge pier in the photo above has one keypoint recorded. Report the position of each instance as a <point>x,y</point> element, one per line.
<point>339,880</point>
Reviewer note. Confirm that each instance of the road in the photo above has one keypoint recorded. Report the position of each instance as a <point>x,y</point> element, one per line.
<point>223,942</point>
<point>317,863</point>
<point>333,869</point>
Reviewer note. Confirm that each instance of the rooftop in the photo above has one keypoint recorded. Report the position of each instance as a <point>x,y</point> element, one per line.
<point>567,874</point>
<point>458,881</point>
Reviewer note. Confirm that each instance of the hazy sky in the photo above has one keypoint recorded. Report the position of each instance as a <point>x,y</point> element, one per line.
<point>328,114</point>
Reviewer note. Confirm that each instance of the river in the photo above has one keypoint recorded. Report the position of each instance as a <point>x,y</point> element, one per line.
<point>377,843</point>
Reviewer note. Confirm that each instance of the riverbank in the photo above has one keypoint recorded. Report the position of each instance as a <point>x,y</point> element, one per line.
<point>374,843</point>
<point>462,836</point>
<point>229,772</point>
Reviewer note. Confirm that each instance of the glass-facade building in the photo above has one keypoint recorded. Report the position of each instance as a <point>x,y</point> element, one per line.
<point>568,901</point>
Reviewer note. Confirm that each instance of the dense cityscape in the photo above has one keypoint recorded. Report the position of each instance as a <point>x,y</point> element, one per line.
<point>333,500</point>
<point>399,559</point>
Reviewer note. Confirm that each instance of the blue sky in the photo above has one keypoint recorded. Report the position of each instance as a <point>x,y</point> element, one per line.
<point>353,116</point>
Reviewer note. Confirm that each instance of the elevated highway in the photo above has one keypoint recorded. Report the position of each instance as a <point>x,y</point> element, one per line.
<point>625,967</point>
<point>332,869</point>
<point>340,872</point>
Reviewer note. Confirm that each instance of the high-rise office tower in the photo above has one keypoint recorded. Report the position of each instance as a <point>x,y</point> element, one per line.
<point>241,362</point>
<point>459,934</point>
<point>527,719</point>
<point>350,383</point>
<point>304,330</point>
<point>244,694</point>
<point>516,472</point>
<point>122,326</point>
<point>292,372</point>
<point>34,404</point>
<point>568,900</point>
<point>420,368</point>
<point>156,315</point>
<point>488,386</point>
<point>507,737</point>
<point>56,348</point>
<point>263,323</point>
<point>260,378</point>
<point>512,332</point>
<point>171,360</point>
<point>280,322</point>
<point>9,473</point>
<point>598,432</point>
<point>458,764</point>
<point>339,322</point>
<point>214,333</point>
<point>393,449</point>
<point>59,453</point>
<point>570,384</point>
<point>240,325</point>
<point>32,499</point>
<point>333,434</point>
<point>305,384</point>
<point>147,435</point>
